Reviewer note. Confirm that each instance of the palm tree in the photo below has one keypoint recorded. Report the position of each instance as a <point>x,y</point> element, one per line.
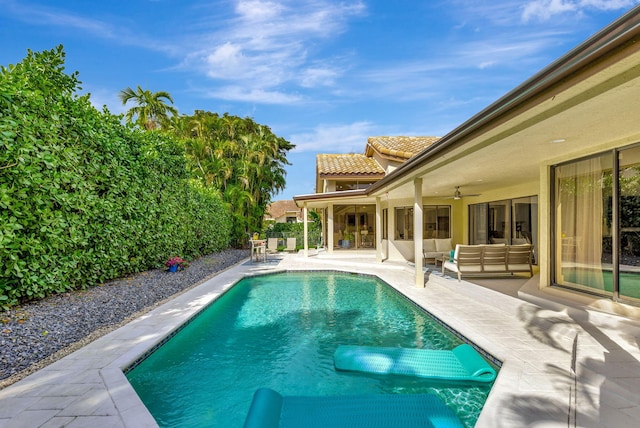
<point>239,157</point>
<point>151,110</point>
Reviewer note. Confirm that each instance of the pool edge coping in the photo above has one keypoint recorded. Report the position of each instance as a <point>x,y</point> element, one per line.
<point>132,410</point>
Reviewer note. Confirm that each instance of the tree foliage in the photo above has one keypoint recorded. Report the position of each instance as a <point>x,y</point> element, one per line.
<point>243,159</point>
<point>296,230</point>
<point>83,198</point>
<point>151,111</point>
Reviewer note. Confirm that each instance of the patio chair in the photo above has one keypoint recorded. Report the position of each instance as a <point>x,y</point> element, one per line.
<point>272,245</point>
<point>261,253</point>
<point>291,244</point>
<point>258,250</point>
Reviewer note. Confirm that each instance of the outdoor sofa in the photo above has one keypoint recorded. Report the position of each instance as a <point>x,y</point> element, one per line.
<point>435,249</point>
<point>490,259</point>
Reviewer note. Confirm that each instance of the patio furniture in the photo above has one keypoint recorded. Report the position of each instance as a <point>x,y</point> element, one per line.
<point>436,249</point>
<point>463,363</point>
<point>272,245</point>
<point>258,249</point>
<point>269,409</point>
<point>291,244</point>
<point>490,259</point>
<point>366,240</point>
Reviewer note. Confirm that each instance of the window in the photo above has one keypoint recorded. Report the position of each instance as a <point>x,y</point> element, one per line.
<point>510,221</point>
<point>437,220</point>
<point>404,223</point>
<point>353,185</point>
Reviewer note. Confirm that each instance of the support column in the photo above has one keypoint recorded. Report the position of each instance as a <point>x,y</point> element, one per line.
<point>379,231</point>
<point>418,232</point>
<point>329,239</point>
<point>306,230</point>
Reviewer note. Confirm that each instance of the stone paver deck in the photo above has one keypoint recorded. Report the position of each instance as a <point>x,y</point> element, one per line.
<point>567,367</point>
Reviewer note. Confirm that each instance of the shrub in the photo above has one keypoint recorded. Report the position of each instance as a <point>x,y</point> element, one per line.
<point>296,230</point>
<point>83,198</point>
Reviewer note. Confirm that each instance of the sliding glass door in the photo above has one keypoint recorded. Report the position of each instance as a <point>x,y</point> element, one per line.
<point>583,195</point>
<point>597,224</point>
<point>354,226</point>
<point>629,213</point>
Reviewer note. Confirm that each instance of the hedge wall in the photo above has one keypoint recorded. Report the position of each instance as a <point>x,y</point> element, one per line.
<point>83,198</point>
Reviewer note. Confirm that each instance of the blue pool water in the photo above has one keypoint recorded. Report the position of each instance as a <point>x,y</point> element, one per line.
<point>280,331</point>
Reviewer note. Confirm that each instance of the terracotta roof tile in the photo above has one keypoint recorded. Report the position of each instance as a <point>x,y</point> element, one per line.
<point>347,164</point>
<point>279,208</point>
<point>399,147</point>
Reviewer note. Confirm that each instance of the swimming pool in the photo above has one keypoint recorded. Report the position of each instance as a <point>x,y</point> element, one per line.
<point>280,331</point>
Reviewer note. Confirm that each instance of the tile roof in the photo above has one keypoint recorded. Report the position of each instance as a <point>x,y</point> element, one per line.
<point>279,208</point>
<point>357,165</point>
<point>401,148</point>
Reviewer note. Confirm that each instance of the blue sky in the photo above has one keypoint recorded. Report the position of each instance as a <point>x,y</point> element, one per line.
<point>323,74</point>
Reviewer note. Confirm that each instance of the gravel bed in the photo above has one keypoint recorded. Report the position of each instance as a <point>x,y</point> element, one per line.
<point>36,334</point>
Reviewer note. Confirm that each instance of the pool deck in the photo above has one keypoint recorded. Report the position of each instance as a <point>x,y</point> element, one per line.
<point>563,366</point>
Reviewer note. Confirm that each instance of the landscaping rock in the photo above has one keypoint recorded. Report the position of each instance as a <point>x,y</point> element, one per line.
<point>36,334</point>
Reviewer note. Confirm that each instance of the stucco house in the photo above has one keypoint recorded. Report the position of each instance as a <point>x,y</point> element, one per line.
<point>284,211</point>
<point>353,224</point>
<point>555,161</point>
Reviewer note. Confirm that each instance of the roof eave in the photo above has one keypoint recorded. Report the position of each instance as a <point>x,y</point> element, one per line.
<point>329,195</point>
<point>350,175</point>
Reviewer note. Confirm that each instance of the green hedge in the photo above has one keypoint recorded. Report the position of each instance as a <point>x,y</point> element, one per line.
<point>83,198</point>
<point>296,230</point>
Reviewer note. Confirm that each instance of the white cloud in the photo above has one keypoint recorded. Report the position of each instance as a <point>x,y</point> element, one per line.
<point>42,15</point>
<point>257,11</point>
<point>335,138</point>
<point>318,76</point>
<point>226,54</point>
<point>500,50</point>
<point>51,16</point>
<point>253,95</point>
<point>269,48</point>
<point>100,97</point>
<point>266,45</point>
<point>422,79</point>
<point>544,9</point>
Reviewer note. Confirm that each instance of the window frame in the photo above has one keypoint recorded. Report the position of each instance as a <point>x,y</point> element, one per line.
<point>407,223</point>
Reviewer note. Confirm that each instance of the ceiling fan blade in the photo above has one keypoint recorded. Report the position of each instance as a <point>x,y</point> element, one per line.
<point>458,195</point>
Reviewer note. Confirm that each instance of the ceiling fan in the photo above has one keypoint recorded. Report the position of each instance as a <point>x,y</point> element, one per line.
<point>457,195</point>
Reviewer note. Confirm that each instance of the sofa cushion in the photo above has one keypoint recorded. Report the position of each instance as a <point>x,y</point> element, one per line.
<point>443,245</point>
<point>518,267</point>
<point>429,245</point>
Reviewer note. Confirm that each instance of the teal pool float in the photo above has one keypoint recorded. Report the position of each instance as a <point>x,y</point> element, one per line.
<point>269,409</point>
<point>463,363</point>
